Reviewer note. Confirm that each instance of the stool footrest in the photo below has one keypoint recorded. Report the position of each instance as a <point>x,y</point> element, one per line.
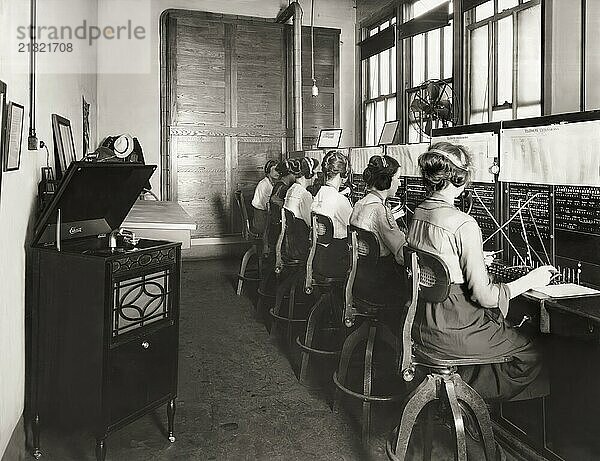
<point>312,350</point>
<point>285,319</point>
<point>366,398</point>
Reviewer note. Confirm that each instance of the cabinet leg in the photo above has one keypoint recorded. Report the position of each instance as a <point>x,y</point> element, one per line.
<point>35,429</point>
<point>171,419</point>
<point>100,449</point>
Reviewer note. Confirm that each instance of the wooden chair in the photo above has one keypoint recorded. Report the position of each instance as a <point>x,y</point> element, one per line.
<point>255,241</point>
<point>364,256</point>
<point>430,282</point>
<point>266,287</point>
<point>290,273</point>
<point>330,291</point>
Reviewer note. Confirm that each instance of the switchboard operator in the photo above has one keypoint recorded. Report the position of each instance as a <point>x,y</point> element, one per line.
<point>470,322</point>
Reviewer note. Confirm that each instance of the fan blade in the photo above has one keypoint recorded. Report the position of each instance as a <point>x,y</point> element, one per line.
<point>418,105</point>
<point>433,88</point>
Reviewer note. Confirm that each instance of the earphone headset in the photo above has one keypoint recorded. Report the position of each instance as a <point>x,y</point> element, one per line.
<point>450,158</point>
<point>270,164</point>
<point>332,154</point>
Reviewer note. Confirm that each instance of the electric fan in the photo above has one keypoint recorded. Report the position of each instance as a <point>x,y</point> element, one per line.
<point>432,106</point>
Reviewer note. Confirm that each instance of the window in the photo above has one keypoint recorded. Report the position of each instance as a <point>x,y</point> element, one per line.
<point>504,60</point>
<point>429,56</point>
<point>379,93</point>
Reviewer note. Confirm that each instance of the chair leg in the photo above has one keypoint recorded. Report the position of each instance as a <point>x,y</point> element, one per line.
<point>315,313</point>
<point>367,385</point>
<point>428,433</point>
<point>421,396</point>
<point>353,340</point>
<point>297,277</point>
<point>459,427</point>
<point>476,403</point>
<point>282,288</point>
<point>251,252</point>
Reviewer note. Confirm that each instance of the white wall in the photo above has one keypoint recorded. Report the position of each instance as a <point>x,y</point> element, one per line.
<point>56,94</point>
<point>131,103</point>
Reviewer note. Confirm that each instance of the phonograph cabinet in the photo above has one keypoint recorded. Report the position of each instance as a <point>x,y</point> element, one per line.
<point>104,312</point>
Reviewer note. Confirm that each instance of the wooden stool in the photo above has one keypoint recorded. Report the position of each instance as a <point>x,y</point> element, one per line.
<point>430,282</point>
<point>364,252</point>
<point>286,286</point>
<point>330,291</point>
<point>255,241</point>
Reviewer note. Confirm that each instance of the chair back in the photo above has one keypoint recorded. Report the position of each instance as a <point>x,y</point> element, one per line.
<point>364,255</point>
<point>239,198</point>
<point>286,216</point>
<point>321,234</point>
<point>429,281</point>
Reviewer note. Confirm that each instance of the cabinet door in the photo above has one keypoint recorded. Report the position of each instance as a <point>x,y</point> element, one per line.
<point>141,372</point>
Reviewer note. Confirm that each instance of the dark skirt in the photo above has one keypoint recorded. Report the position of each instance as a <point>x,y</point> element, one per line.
<point>384,284</point>
<point>332,261</point>
<point>459,328</point>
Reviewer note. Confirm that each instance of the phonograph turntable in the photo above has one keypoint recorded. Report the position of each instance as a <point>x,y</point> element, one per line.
<point>105,308</point>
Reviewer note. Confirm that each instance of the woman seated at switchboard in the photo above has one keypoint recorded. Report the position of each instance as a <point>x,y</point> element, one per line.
<point>280,188</point>
<point>298,200</point>
<point>262,194</point>
<point>372,213</point>
<point>470,322</point>
<point>333,260</point>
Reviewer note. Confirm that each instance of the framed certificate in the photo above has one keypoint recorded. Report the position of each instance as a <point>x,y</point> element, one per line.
<point>63,142</point>
<point>329,138</point>
<point>388,133</point>
<point>14,136</point>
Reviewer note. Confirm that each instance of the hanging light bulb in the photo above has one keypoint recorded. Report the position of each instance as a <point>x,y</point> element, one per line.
<point>315,89</point>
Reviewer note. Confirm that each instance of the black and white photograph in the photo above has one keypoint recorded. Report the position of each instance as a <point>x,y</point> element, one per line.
<point>299,230</point>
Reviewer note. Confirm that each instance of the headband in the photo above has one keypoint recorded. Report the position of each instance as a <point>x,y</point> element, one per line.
<point>449,157</point>
<point>383,161</point>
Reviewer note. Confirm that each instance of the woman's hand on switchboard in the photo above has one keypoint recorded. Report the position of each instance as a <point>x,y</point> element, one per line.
<point>541,276</point>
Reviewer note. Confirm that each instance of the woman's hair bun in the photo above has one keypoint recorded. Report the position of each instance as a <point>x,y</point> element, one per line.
<point>295,167</point>
<point>335,163</point>
<point>380,171</point>
<point>445,163</point>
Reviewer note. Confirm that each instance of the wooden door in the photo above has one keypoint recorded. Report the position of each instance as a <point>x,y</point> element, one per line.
<point>225,109</point>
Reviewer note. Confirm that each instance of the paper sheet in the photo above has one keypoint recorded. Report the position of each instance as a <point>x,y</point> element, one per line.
<point>565,290</point>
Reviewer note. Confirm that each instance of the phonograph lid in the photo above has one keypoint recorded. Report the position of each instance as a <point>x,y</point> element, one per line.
<point>93,199</point>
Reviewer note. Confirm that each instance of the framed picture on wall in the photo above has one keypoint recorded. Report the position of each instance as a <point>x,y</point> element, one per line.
<point>2,128</point>
<point>14,136</point>
<point>329,138</point>
<point>64,146</point>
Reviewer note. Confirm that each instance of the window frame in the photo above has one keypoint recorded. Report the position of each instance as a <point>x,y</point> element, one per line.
<point>365,32</point>
<point>491,23</point>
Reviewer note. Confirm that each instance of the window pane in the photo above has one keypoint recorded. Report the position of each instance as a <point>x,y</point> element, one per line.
<point>448,50</point>
<point>373,77</point>
<point>433,54</point>
<point>505,60</point>
<point>384,72</point>
<point>413,133</point>
<point>393,69</point>
<point>502,114</point>
<point>534,110</point>
<point>506,4</point>
<point>478,90</point>
<point>391,109</point>
<point>529,75</point>
<point>379,119</point>
<point>418,60</point>
<point>484,11</point>
<point>592,56</point>
<point>370,124</point>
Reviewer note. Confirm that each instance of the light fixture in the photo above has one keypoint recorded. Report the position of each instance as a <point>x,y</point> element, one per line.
<point>315,88</point>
